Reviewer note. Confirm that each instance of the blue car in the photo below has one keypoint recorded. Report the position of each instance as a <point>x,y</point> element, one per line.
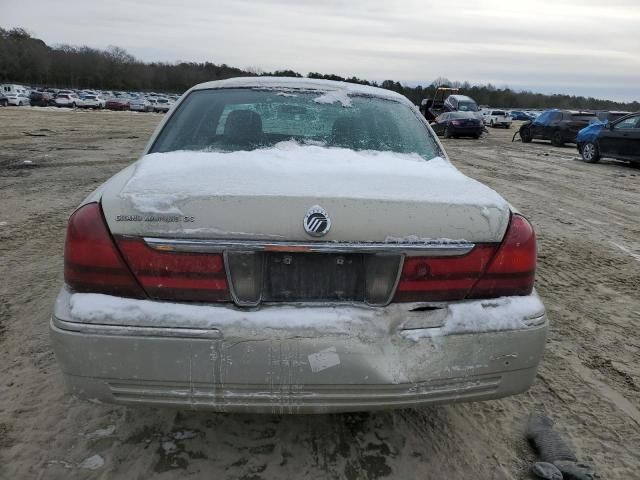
<point>518,115</point>
<point>619,139</point>
<point>559,126</point>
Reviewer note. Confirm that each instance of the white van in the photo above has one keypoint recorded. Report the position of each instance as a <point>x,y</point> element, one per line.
<point>10,89</point>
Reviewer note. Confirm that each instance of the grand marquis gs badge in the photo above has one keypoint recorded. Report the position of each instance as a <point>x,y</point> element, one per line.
<point>317,222</point>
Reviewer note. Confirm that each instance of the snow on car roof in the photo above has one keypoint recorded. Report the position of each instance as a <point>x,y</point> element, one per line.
<point>303,84</point>
<point>462,98</point>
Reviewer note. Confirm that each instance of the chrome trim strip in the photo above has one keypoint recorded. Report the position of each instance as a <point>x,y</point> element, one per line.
<point>218,246</point>
<point>131,331</point>
<point>395,284</point>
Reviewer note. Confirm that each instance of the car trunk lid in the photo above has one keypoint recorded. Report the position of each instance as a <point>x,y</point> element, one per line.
<point>265,195</point>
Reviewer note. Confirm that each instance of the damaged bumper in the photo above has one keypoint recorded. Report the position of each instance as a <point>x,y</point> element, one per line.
<point>294,359</point>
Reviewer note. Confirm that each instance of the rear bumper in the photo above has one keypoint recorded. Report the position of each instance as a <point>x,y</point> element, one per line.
<point>289,359</point>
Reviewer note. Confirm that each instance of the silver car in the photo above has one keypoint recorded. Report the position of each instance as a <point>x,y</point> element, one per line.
<point>296,245</point>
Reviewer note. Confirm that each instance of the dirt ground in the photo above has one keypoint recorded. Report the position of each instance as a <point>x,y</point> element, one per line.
<point>587,219</point>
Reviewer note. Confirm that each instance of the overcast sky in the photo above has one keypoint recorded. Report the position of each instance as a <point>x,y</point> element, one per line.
<point>581,47</point>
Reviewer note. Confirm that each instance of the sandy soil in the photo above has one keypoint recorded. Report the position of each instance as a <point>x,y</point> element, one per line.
<point>589,276</point>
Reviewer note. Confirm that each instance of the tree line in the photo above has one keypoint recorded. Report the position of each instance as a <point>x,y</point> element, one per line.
<point>28,60</point>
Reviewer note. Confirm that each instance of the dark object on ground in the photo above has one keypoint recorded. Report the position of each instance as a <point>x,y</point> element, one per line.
<point>552,448</point>
<point>547,471</point>
<point>559,126</point>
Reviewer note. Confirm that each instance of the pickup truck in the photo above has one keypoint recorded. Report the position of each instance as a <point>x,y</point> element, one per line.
<point>496,118</point>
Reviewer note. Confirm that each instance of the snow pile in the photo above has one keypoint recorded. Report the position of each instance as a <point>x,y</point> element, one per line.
<point>506,313</point>
<point>334,96</point>
<point>290,169</point>
<point>157,203</point>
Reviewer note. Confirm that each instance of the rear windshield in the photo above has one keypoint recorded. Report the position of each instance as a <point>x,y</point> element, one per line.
<point>467,107</point>
<point>246,119</point>
<point>463,115</point>
<point>497,112</point>
<point>583,117</point>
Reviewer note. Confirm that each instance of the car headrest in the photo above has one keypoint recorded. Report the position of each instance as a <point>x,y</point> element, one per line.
<point>243,127</point>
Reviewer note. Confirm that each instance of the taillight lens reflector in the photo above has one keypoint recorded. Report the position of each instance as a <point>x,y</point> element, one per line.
<point>512,271</point>
<point>488,271</point>
<point>168,275</point>
<point>426,279</point>
<point>92,263</point>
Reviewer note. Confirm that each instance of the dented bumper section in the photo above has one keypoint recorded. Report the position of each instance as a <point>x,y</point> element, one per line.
<point>296,359</point>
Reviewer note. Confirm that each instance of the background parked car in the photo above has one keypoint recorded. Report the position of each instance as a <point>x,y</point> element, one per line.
<point>91,101</point>
<point>460,103</point>
<point>12,89</point>
<point>66,100</point>
<point>520,115</point>
<point>162,105</point>
<point>610,116</point>
<point>117,103</point>
<point>496,118</point>
<point>41,99</point>
<point>558,126</point>
<point>458,124</point>
<point>3,100</point>
<point>18,99</point>
<point>619,139</point>
<point>141,104</point>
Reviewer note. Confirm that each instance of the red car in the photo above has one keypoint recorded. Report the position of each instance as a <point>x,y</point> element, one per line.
<point>117,104</point>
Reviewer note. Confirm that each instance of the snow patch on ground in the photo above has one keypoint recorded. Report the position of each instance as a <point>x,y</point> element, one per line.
<point>101,432</point>
<point>169,446</point>
<point>92,463</point>
<point>184,435</point>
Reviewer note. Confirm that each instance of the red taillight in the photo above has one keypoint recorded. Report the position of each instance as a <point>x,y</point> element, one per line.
<point>168,275</point>
<point>91,261</point>
<point>488,271</point>
<point>512,270</point>
<point>426,279</point>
